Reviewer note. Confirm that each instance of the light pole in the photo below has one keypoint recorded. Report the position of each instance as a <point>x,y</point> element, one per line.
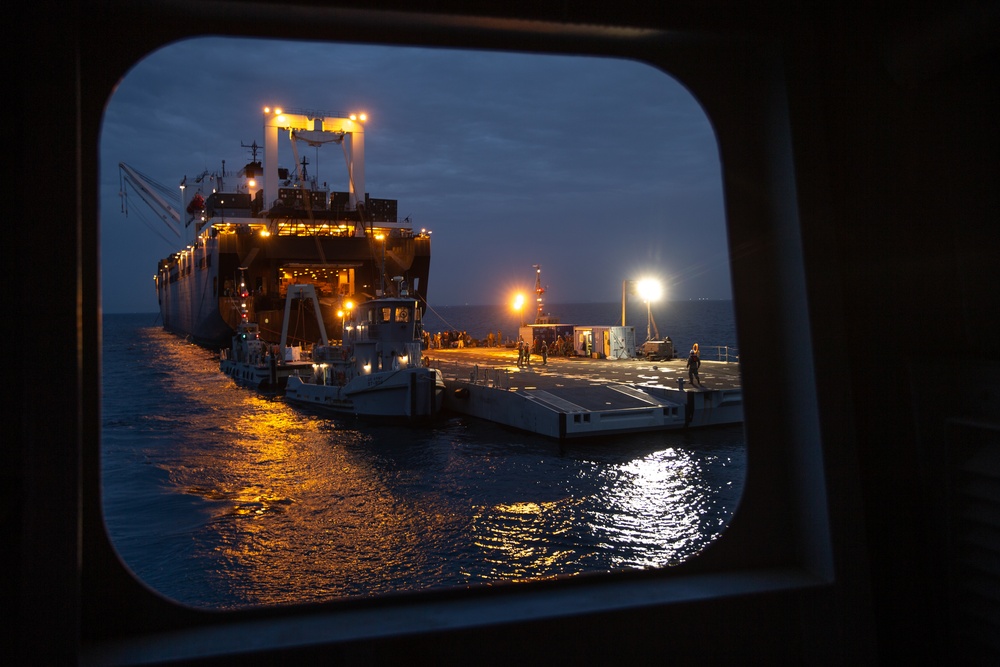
<point>649,290</point>
<point>624,283</point>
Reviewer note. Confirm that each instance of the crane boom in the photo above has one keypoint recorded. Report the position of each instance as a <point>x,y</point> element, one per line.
<point>157,202</point>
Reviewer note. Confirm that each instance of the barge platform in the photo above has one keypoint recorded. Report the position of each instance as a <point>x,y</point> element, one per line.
<point>574,397</point>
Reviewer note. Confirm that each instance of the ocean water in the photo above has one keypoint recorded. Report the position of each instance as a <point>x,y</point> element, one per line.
<point>221,497</point>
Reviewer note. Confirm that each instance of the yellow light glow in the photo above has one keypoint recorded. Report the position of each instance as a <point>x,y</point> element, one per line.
<point>649,289</point>
<point>363,117</point>
<point>519,302</point>
<point>349,305</point>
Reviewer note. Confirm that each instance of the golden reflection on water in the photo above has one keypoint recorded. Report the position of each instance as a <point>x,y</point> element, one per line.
<point>287,507</point>
<point>520,540</point>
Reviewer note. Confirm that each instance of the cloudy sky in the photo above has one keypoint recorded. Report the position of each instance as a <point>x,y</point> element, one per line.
<point>598,170</point>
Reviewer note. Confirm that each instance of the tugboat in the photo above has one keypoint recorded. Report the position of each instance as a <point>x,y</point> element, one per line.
<point>378,370</point>
<point>253,362</point>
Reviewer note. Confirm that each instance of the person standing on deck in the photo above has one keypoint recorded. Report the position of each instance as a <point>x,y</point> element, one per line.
<point>693,364</point>
<point>545,353</point>
<point>520,353</point>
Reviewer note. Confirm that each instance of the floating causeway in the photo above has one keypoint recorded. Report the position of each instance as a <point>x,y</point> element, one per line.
<point>573,397</point>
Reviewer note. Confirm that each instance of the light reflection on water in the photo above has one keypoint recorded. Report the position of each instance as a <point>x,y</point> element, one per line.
<point>220,497</point>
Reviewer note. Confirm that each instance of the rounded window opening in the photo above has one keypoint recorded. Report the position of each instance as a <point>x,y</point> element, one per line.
<point>574,207</point>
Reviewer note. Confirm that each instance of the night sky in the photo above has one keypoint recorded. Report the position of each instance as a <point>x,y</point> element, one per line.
<point>598,170</point>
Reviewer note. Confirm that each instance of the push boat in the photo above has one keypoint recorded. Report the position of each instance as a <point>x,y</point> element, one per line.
<point>278,227</point>
<point>253,362</point>
<point>378,369</point>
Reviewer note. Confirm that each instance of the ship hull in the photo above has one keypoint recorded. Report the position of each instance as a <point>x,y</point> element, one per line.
<point>416,393</point>
<point>200,289</point>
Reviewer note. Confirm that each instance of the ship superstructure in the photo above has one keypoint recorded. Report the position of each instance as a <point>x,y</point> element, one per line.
<point>247,235</point>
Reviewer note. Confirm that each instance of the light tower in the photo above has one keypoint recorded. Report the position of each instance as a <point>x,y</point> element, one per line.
<point>539,290</point>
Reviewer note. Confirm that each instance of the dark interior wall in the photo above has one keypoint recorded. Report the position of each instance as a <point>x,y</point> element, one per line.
<point>894,116</point>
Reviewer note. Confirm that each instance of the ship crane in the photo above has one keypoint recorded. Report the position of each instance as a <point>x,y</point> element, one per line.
<point>315,129</point>
<point>150,192</point>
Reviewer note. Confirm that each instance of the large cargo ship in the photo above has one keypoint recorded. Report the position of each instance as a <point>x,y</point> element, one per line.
<point>247,235</point>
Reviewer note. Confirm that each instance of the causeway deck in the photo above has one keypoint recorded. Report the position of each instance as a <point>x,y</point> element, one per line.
<point>570,397</point>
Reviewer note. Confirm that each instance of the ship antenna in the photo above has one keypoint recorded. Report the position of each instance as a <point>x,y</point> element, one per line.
<point>253,149</point>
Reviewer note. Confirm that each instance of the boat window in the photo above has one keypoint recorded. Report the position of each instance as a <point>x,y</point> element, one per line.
<point>281,506</point>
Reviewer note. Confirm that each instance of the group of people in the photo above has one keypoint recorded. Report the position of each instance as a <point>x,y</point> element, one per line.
<point>524,352</point>
<point>448,339</point>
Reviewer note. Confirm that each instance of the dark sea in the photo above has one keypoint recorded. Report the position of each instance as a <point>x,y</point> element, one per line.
<point>221,497</point>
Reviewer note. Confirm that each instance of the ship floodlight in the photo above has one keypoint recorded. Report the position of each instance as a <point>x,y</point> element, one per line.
<point>363,117</point>
<point>353,116</point>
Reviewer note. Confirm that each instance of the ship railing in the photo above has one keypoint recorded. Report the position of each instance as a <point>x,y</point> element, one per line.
<point>494,377</point>
<point>724,353</point>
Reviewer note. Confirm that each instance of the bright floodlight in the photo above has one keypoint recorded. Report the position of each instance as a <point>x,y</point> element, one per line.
<point>519,302</point>
<point>650,290</point>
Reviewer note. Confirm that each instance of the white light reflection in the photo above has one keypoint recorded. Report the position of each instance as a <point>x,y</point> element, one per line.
<point>654,508</point>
